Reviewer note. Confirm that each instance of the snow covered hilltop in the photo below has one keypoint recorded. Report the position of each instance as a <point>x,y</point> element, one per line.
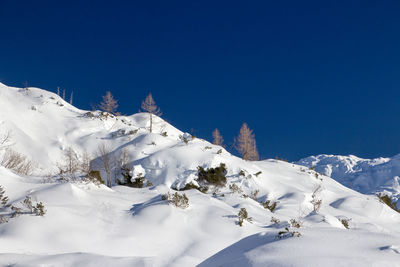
<point>227,212</point>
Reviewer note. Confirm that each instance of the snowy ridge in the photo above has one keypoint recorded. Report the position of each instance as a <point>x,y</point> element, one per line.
<point>368,176</point>
<point>87,225</point>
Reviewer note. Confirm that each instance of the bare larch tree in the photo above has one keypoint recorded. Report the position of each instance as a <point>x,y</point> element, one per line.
<point>217,138</point>
<point>71,98</point>
<point>109,104</point>
<point>246,143</point>
<point>103,154</point>
<point>150,106</point>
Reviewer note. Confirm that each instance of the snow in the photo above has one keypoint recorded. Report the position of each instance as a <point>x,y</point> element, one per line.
<point>89,225</point>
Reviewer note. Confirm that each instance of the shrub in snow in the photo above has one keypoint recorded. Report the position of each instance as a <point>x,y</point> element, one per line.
<point>275,220</point>
<point>219,151</point>
<point>243,215</point>
<point>185,138</point>
<point>3,198</point>
<point>258,173</point>
<point>288,233</point>
<point>30,208</point>
<point>94,177</point>
<point>235,189</point>
<point>190,186</point>
<point>89,115</point>
<point>179,201</point>
<point>241,173</point>
<point>214,176</point>
<point>135,177</point>
<point>386,199</point>
<point>271,205</point>
<point>165,134</point>
<point>17,162</point>
<point>132,132</point>
<point>345,223</point>
<point>295,223</point>
<point>137,182</point>
<point>253,194</point>
<point>25,207</point>
<point>316,201</point>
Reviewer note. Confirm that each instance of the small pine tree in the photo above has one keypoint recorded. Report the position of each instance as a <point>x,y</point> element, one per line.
<point>246,143</point>
<point>150,106</point>
<point>217,138</point>
<point>109,104</point>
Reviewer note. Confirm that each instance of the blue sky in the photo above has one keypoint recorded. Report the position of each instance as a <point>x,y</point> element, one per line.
<point>309,77</point>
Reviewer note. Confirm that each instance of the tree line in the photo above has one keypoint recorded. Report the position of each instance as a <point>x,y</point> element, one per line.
<point>244,143</point>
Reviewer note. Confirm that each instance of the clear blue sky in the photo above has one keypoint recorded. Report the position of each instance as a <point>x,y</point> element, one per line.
<point>309,77</point>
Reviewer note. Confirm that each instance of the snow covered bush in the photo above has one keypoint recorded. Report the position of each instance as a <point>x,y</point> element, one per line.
<point>179,201</point>
<point>214,176</point>
<point>135,177</point>
<point>271,205</point>
<point>243,215</point>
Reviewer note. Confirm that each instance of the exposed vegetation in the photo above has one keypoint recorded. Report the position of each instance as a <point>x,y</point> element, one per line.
<point>271,205</point>
<point>386,199</point>
<point>242,216</point>
<point>345,223</point>
<point>316,201</point>
<point>179,201</point>
<point>235,189</point>
<point>214,176</point>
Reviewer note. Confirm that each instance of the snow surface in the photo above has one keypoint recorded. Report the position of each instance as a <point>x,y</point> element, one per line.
<point>87,225</point>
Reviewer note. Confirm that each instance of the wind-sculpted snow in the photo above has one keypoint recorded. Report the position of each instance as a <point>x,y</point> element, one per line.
<point>90,225</point>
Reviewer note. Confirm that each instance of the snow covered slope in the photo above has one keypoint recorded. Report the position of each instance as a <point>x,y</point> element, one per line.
<point>89,225</point>
<point>368,176</point>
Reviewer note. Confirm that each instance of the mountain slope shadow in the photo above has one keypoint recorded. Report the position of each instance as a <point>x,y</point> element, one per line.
<point>234,255</point>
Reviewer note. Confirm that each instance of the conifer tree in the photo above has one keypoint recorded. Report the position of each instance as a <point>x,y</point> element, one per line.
<point>246,143</point>
<point>150,106</point>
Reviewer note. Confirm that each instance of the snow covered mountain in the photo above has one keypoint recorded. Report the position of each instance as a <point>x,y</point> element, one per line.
<point>368,176</point>
<point>90,225</point>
